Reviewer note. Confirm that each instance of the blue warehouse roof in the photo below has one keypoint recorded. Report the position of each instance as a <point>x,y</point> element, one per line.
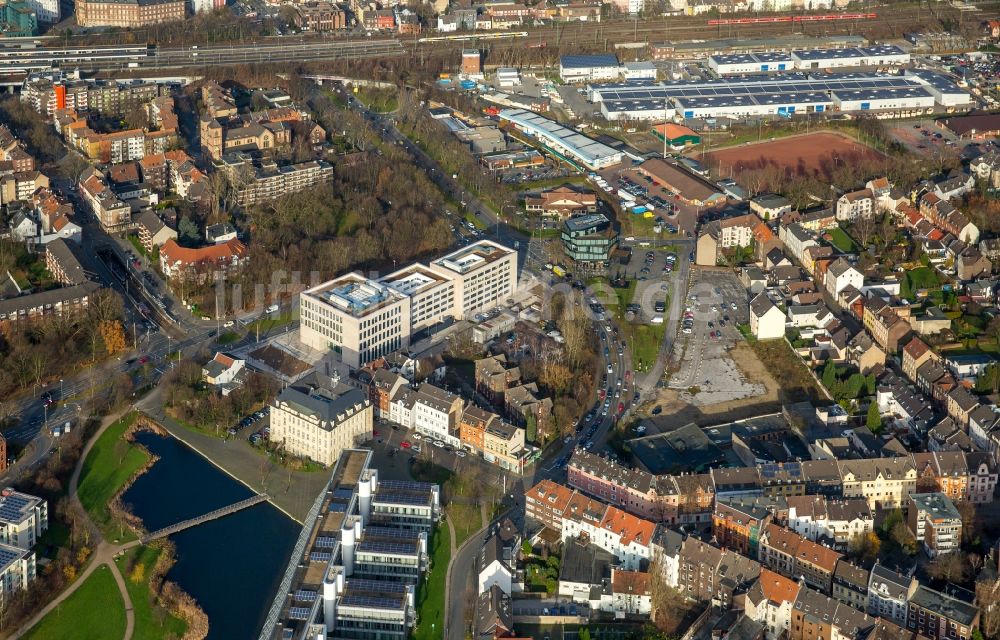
<point>587,61</point>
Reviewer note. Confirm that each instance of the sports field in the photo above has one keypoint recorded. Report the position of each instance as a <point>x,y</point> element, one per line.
<point>812,154</point>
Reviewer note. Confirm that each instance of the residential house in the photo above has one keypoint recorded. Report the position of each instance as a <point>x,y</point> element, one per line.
<point>767,322</point>
<point>889,593</point>
<point>152,231</point>
<point>840,275</point>
<point>854,205</point>
<point>770,601</point>
<point>177,261</point>
<point>222,369</point>
<point>959,404</point>
<point>850,584</point>
<point>563,201</point>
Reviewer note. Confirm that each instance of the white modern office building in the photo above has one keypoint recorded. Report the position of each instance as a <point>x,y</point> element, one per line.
<point>361,318</point>
<point>364,319</point>
<point>484,273</point>
<point>355,564</point>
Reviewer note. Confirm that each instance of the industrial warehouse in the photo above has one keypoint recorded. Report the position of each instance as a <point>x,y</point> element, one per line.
<point>918,91</point>
<point>769,61</point>
<point>566,143</point>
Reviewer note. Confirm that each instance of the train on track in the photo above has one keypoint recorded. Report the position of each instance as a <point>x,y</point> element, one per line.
<point>501,35</point>
<point>807,18</point>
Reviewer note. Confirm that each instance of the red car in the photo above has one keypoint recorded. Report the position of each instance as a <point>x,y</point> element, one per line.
<point>621,408</point>
<point>405,444</point>
<point>143,360</point>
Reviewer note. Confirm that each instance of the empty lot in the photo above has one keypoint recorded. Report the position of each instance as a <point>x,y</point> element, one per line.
<point>705,372</point>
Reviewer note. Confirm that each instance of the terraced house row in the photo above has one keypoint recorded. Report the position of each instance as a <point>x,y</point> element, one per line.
<point>786,587</point>
<point>691,498</point>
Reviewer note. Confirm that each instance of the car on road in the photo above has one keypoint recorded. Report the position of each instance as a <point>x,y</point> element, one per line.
<point>460,453</point>
<point>438,444</point>
<point>657,410</point>
<point>405,444</point>
<point>415,448</point>
<point>417,436</point>
<point>640,429</point>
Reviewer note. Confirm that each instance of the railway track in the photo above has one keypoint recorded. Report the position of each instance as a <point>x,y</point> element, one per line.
<point>605,34</point>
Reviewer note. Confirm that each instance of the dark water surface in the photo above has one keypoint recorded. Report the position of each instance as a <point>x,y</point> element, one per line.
<point>232,565</point>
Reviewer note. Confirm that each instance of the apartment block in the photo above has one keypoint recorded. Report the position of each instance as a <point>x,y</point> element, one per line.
<point>889,594</point>
<point>17,570</point>
<point>128,13</point>
<point>545,503</point>
<point>834,522</point>
<point>934,521</point>
<point>320,422</point>
<point>23,519</point>
<point>939,616</point>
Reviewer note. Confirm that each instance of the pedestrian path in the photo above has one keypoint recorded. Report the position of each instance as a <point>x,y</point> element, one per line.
<point>104,553</point>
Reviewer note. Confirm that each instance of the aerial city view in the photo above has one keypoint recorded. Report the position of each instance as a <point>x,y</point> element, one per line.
<point>501,319</point>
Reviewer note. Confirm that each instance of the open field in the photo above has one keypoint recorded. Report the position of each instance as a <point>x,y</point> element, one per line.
<point>810,154</point>
<point>94,611</point>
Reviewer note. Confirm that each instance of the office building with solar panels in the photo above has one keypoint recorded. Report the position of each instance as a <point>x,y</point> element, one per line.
<point>355,566</point>
<point>781,95</point>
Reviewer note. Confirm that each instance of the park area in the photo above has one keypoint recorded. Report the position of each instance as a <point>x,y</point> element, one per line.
<point>813,154</point>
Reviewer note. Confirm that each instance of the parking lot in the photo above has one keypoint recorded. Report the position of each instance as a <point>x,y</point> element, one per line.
<point>705,373</point>
<point>655,270</point>
<point>924,136</point>
<point>626,183</point>
<point>549,171</point>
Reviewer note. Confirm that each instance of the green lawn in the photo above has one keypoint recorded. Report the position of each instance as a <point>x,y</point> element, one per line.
<point>379,100</point>
<point>842,241</point>
<point>109,465</point>
<point>431,593</point>
<point>151,623</point>
<point>644,340</point>
<point>95,611</point>
<point>268,324</point>
<point>228,337</point>
<point>467,519</point>
<point>919,278</point>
